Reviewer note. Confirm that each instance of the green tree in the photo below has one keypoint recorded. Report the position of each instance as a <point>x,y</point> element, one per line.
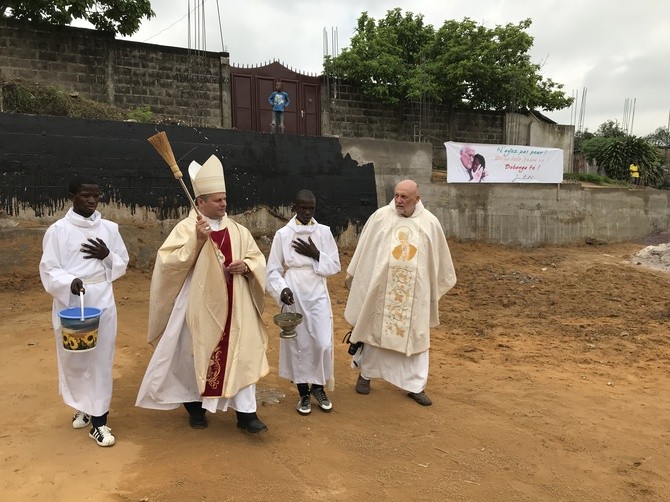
<point>613,150</point>
<point>462,64</point>
<point>113,16</point>
<point>610,129</point>
<point>386,59</point>
<point>594,147</point>
<point>580,137</point>
<point>622,151</point>
<point>660,137</point>
<point>491,68</point>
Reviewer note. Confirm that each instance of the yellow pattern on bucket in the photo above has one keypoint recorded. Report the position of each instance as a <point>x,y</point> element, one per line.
<point>78,335</point>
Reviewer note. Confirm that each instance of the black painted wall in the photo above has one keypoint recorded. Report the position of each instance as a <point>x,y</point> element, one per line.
<point>39,154</point>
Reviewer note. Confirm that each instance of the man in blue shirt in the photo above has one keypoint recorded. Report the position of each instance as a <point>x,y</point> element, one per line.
<point>279,101</point>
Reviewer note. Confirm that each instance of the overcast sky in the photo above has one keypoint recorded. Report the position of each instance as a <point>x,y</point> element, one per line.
<point>616,49</point>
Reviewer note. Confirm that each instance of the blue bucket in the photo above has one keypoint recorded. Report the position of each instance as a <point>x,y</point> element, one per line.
<point>78,335</point>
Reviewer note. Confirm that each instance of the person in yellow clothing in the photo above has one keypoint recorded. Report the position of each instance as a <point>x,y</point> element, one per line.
<point>634,173</point>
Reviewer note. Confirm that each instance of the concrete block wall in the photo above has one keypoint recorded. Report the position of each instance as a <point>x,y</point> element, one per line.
<point>509,214</point>
<point>527,130</point>
<point>193,88</point>
<point>526,215</point>
<point>350,114</point>
<point>351,176</point>
<point>39,155</point>
<point>394,161</point>
<point>521,215</point>
<point>73,59</point>
<point>353,115</point>
<point>184,85</point>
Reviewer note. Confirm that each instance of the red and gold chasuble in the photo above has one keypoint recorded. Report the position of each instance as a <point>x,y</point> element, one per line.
<point>217,361</point>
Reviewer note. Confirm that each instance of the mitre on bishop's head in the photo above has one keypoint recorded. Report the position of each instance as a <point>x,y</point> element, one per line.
<point>207,178</point>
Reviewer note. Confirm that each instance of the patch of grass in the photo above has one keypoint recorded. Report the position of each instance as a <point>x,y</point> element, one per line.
<point>40,99</point>
<point>33,99</point>
<point>141,114</point>
<point>595,179</point>
<point>20,96</point>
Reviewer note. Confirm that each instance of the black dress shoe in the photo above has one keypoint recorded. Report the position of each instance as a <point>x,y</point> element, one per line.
<point>253,426</point>
<point>198,421</point>
<point>196,415</point>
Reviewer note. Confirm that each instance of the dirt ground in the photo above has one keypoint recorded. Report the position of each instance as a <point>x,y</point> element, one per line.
<point>550,376</point>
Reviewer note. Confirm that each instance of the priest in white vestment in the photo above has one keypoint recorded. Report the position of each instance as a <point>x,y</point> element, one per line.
<point>206,300</point>
<point>82,252</point>
<point>399,271</point>
<point>303,255</point>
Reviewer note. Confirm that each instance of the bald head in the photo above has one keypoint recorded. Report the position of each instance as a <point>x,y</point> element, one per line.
<point>406,197</point>
<point>408,186</point>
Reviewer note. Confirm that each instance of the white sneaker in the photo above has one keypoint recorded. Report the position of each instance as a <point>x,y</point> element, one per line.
<point>102,435</point>
<point>80,420</point>
<point>304,405</point>
<point>322,398</point>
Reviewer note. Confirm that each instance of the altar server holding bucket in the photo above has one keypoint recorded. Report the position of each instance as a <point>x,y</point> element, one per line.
<point>82,254</point>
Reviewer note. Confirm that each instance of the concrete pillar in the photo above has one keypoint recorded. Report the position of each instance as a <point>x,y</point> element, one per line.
<point>226,94</point>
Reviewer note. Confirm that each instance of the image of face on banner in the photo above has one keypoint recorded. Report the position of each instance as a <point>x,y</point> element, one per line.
<point>473,164</point>
<point>480,163</point>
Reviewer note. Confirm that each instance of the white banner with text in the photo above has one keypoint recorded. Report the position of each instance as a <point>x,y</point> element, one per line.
<point>478,163</point>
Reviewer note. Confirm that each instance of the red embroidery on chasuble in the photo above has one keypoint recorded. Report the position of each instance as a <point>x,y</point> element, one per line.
<point>217,362</point>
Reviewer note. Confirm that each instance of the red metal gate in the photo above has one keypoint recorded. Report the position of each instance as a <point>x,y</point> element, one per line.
<point>251,88</point>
